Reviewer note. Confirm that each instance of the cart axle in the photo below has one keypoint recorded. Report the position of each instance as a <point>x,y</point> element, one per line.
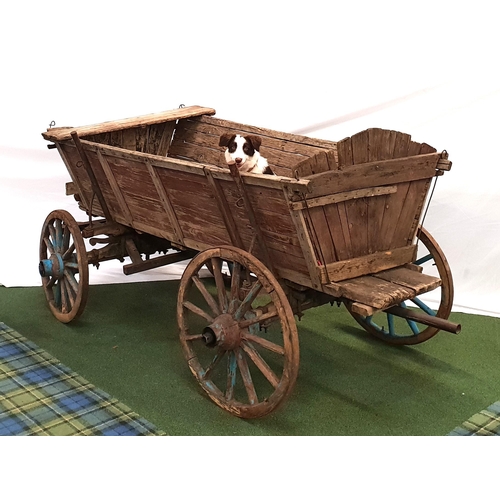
<point>425,319</point>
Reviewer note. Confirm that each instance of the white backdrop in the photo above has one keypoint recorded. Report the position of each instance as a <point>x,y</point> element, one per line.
<point>327,70</point>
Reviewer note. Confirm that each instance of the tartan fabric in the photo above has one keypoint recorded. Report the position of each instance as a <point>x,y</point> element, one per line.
<point>484,423</point>
<point>40,396</point>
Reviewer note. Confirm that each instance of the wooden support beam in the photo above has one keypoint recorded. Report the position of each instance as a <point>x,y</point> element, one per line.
<point>166,203</point>
<point>224,209</point>
<point>163,260</point>
<point>127,215</point>
<point>92,177</point>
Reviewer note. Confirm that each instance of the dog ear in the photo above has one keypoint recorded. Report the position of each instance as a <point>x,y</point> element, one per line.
<point>226,138</point>
<point>255,140</point>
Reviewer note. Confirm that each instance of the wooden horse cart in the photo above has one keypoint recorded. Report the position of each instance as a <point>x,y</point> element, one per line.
<point>338,223</point>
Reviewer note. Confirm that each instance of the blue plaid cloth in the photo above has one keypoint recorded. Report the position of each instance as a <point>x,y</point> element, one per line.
<point>484,423</point>
<point>40,396</point>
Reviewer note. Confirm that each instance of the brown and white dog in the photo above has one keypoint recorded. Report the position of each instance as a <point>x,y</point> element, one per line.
<point>243,151</point>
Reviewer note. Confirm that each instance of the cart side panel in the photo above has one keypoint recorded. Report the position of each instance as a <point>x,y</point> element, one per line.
<point>129,182</point>
<point>197,139</point>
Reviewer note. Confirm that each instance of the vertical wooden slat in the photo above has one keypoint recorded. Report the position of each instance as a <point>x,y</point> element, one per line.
<point>380,147</point>
<point>303,234</point>
<point>166,203</point>
<point>126,214</point>
<point>224,209</point>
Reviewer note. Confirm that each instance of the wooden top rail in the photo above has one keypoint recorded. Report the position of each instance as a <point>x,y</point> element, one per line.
<point>64,133</point>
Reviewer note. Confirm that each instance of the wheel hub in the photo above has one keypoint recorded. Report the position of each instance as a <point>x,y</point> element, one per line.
<point>224,332</point>
<point>52,267</point>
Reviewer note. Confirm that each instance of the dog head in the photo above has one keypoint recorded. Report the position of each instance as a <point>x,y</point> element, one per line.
<point>241,150</point>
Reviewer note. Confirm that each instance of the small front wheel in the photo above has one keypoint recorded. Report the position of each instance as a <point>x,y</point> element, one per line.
<point>238,335</point>
<point>64,266</point>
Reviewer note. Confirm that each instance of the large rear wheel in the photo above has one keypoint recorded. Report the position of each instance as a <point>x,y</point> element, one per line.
<point>239,336</point>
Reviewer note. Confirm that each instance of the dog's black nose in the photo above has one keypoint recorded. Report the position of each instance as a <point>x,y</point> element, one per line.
<point>238,160</point>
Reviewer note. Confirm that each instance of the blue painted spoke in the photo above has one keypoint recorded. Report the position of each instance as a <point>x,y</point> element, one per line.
<point>423,260</point>
<point>413,326</point>
<point>390,322</point>
<point>247,302</point>
<point>423,306</point>
<point>231,375</point>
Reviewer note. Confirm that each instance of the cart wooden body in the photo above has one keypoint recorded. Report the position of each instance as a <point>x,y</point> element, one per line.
<point>338,221</point>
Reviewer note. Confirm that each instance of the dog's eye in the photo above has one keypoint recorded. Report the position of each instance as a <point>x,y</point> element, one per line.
<point>232,147</point>
<point>247,149</point>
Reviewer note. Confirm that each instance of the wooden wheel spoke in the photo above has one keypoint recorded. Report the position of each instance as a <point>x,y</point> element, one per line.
<point>53,238</point>
<point>70,278</point>
<point>266,344</point>
<point>210,368</point>
<point>206,295</point>
<point>260,363</point>
<point>219,282</point>
<point>48,244</point>
<point>258,319</point>
<point>65,238</point>
<point>198,311</point>
<point>231,375</point>
<point>59,235</point>
<point>69,251</point>
<point>247,302</point>
<point>64,297</point>
<point>191,338</point>
<point>247,377</point>
<point>235,286</point>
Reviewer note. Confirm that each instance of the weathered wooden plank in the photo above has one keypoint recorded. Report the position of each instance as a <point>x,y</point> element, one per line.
<point>339,197</point>
<point>225,210</point>
<point>64,133</point>
<point>373,174</point>
<point>320,229</point>
<point>375,292</point>
<point>306,244</point>
<point>367,264</point>
<point>115,188</point>
<point>339,230</point>
<point>411,211</point>
<point>320,162</point>
<point>166,203</point>
<point>420,283</point>
<point>393,207</point>
<point>285,139</point>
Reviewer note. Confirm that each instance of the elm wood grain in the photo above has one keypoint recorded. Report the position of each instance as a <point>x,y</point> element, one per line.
<point>339,197</point>
<point>367,264</point>
<point>373,174</point>
<point>276,140</point>
<point>198,140</point>
<point>166,203</point>
<point>320,162</point>
<point>417,281</point>
<point>304,234</point>
<point>225,210</point>
<point>82,185</point>
<point>64,133</point>
<point>175,164</point>
<point>115,188</point>
<point>96,188</point>
<point>375,292</point>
